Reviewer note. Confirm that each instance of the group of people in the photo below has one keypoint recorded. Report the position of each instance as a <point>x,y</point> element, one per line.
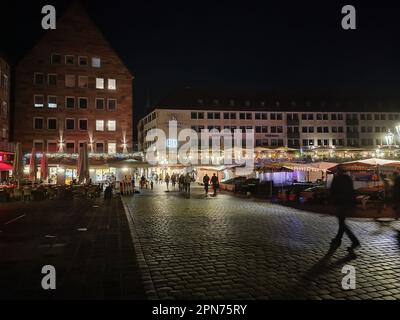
<point>214,183</point>
<point>127,186</point>
<point>183,181</point>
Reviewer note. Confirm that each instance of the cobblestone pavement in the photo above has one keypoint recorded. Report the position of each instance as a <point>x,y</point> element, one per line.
<point>87,241</point>
<point>236,248</point>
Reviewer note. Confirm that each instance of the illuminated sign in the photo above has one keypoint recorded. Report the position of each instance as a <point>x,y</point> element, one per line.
<point>172,143</point>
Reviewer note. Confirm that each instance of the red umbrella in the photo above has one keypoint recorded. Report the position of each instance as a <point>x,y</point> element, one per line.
<point>44,167</point>
<point>33,166</point>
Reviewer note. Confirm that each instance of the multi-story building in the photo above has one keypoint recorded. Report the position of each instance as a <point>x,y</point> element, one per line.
<point>6,148</point>
<point>278,121</point>
<point>72,88</point>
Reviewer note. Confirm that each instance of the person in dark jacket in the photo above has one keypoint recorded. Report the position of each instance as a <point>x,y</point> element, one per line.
<point>396,194</point>
<point>215,184</point>
<point>206,182</point>
<point>342,193</point>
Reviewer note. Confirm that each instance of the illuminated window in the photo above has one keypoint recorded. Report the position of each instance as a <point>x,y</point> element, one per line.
<point>99,125</point>
<point>39,101</point>
<point>96,62</point>
<point>52,102</point>
<point>112,147</point>
<point>112,84</point>
<point>99,83</point>
<point>112,125</point>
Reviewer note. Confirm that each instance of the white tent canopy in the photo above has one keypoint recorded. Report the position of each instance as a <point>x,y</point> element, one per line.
<point>374,162</point>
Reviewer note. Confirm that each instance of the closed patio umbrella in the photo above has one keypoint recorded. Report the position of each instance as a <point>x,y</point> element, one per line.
<point>33,166</point>
<point>83,164</point>
<point>44,167</point>
<point>18,165</point>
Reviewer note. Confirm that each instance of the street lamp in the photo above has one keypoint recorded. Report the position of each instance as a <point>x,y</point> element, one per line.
<point>389,137</point>
<point>398,133</point>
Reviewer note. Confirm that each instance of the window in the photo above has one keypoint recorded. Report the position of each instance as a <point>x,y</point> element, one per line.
<point>52,147</point>
<point>52,80</point>
<point>111,125</point>
<point>70,81</point>
<point>70,60</point>
<point>38,144</point>
<point>258,116</point>
<point>38,123</point>
<point>70,102</point>
<point>96,62</point>
<point>112,104</point>
<point>99,125</point>
<point>38,79</point>
<point>99,147</point>
<point>83,81</point>
<point>83,124</point>
<point>70,124</point>
<point>242,116</point>
<point>226,116</point>
<point>112,84</point>
<point>52,102</point>
<point>233,115</point>
<point>333,117</point>
<point>201,115</point>
<point>112,147</point>
<point>83,61</point>
<point>99,104</point>
<point>52,123</point>
<point>70,147</point>
<point>83,103</point>
<point>38,101</point>
<point>55,59</point>
<point>99,83</point>
<point>249,116</point>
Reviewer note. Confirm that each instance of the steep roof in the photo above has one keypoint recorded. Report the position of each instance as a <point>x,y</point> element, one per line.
<point>76,30</point>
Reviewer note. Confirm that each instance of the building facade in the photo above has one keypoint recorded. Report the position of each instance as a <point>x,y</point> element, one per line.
<point>6,147</point>
<point>72,88</point>
<point>280,122</point>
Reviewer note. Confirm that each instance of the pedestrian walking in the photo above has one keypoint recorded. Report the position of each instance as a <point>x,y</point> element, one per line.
<point>151,184</point>
<point>215,183</point>
<point>181,182</point>
<point>187,182</point>
<point>342,193</point>
<point>396,194</point>
<point>167,179</point>
<point>173,180</point>
<point>206,182</point>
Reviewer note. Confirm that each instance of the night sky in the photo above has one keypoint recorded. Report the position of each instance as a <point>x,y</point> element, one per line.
<point>246,45</point>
